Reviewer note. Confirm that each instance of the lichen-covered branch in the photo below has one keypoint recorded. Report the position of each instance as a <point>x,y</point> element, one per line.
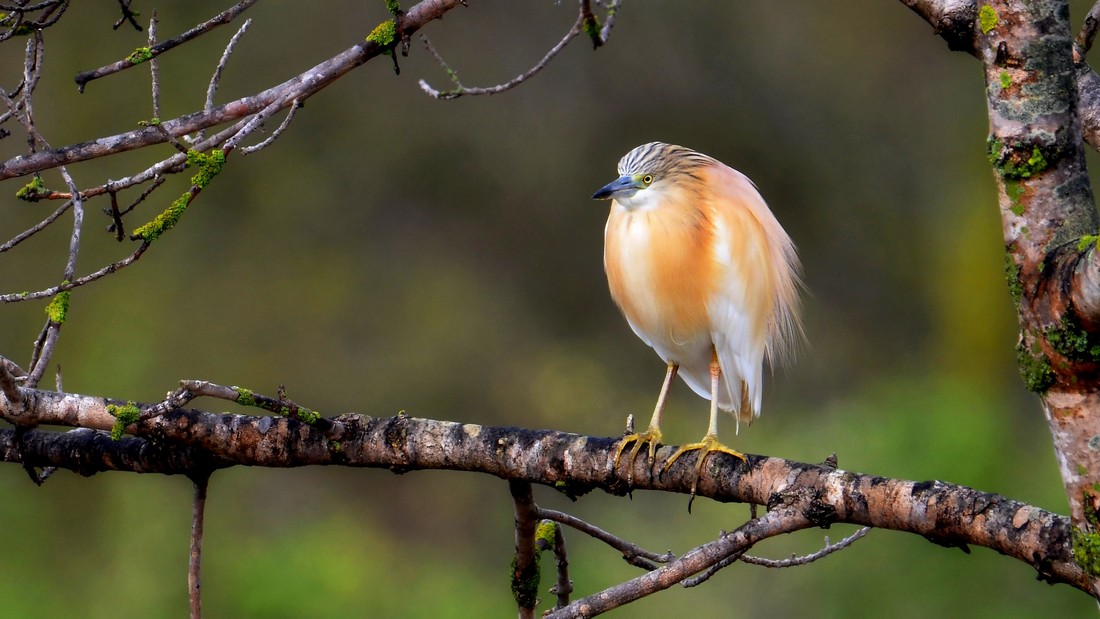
<point>1044,104</point>
<point>181,441</point>
<point>299,88</point>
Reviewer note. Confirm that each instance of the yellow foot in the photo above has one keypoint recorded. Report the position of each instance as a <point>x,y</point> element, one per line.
<point>708,445</point>
<point>651,436</point>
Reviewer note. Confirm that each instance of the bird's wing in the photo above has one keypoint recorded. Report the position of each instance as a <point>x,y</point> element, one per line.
<point>742,308</point>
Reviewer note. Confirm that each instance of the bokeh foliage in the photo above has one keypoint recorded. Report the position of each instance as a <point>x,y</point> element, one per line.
<point>392,252</point>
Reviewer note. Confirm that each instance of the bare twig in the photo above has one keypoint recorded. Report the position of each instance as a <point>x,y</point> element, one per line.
<point>9,374</point>
<point>609,21</point>
<point>294,105</point>
<point>460,90</point>
<point>224,17</point>
<point>127,16</point>
<point>632,553</point>
<point>35,229</point>
<point>776,522</point>
<point>194,564</point>
<point>525,569</point>
<point>586,22</point>
<point>216,78</point>
<point>81,281</point>
<point>1088,30</point>
<point>300,87</point>
<point>154,66</point>
<point>564,586</point>
<point>794,561</point>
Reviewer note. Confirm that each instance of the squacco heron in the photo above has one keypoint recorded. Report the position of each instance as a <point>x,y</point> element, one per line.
<point>706,276</point>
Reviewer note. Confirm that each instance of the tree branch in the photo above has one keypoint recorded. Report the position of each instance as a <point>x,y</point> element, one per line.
<point>300,88</point>
<point>182,441</point>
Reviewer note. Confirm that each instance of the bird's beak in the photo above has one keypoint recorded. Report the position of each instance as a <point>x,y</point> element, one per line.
<point>623,187</point>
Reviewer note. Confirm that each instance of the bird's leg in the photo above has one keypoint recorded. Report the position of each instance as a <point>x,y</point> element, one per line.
<point>710,443</point>
<point>653,434</point>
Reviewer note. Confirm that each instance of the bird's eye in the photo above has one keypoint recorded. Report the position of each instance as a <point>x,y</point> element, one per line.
<point>647,179</point>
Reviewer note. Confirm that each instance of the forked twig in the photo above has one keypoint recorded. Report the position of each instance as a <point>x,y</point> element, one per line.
<point>153,51</point>
<point>632,553</point>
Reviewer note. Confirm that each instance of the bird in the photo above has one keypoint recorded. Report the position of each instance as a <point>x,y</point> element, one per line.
<point>707,277</point>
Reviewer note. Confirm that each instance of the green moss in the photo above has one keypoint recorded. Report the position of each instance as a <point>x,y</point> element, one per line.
<point>23,30</point>
<point>209,166</point>
<point>58,307</point>
<point>308,416</point>
<point>245,397</point>
<point>384,34</point>
<point>987,18</point>
<point>1014,190</point>
<point>1087,241</point>
<point>303,414</point>
<point>1035,368</point>
<point>525,586</point>
<point>591,26</point>
<point>140,55</point>
<point>1070,340</point>
<point>544,535</point>
<point>124,416</point>
<point>335,446</point>
<point>393,6</point>
<point>1086,545</point>
<point>1006,80</point>
<point>152,122</point>
<point>1012,277</point>
<point>32,191</point>
<point>164,222</point>
<point>1015,161</point>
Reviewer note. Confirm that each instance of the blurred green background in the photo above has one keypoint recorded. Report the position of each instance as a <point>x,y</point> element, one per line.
<point>393,252</point>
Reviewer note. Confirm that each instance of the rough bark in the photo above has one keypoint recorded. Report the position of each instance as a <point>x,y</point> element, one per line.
<point>183,441</point>
<point>1036,145</point>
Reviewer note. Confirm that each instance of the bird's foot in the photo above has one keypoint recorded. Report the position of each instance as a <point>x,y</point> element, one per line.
<point>651,436</point>
<point>707,446</point>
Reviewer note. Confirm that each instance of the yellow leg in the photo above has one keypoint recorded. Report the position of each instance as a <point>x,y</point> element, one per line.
<point>653,434</point>
<point>710,443</point>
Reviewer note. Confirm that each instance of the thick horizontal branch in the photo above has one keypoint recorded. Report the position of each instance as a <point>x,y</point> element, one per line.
<point>298,88</point>
<point>182,441</point>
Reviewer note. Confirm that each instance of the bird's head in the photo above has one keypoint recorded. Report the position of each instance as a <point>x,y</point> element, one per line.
<point>649,171</point>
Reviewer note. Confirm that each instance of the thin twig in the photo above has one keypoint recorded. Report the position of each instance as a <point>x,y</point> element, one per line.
<point>525,569</point>
<point>154,70</point>
<point>301,87</point>
<point>191,389</point>
<point>215,79</point>
<point>794,561</point>
<point>609,21</point>
<point>1088,29</point>
<point>87,279</point>
<point>461,90</point>
<point>9,372</point>
<point>127,16</point>
<point>586,21</point>
<point>35,229</point>
<point>564,586</point>
<point>194,563</point>
<point>775,522</point>
<point>248,150</point>
<point>222,18</point>
<point>632,553</point>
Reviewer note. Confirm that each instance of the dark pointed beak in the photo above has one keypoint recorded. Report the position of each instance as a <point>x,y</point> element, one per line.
<point>624,186</point>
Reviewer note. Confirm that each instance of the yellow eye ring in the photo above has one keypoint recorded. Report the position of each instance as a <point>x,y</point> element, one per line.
<point>647,179</point>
